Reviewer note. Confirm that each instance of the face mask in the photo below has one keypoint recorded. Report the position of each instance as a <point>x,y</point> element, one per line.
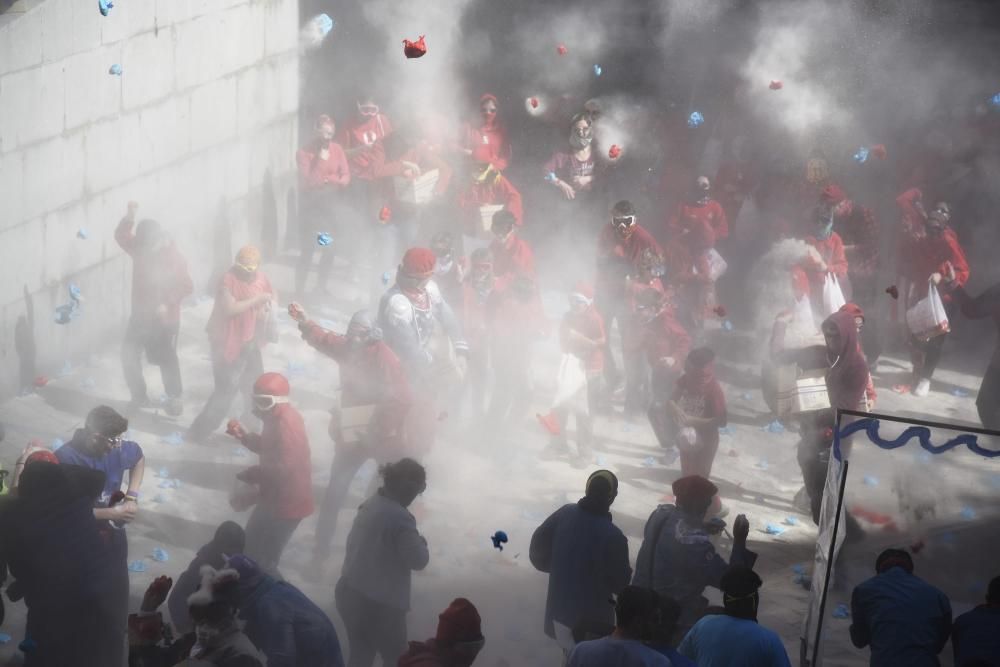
<point>580,138</point>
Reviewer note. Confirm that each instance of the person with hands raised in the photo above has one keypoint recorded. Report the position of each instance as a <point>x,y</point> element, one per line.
<point>284,474</point>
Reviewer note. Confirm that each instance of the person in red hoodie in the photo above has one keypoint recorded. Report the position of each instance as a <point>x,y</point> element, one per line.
<point>160,281</point>
<point>486,141</point>
<point>934,256</point>
<point>372,385</point>
<point>665,345</point>
<point>695,412</point>
<point>691,240</point>
<point>477,288</point>
<point>826,257</point>
<point>619,248</point>
<point>859,231</point>
<point>859,319</point>
<point>241,324</point>
<point>702,207</point>
<point>323,177</point>
<point>458,641</point>
<point>516,320</point>
<point>581,334</point>
<point>647,277</point>
<point>283,476</point>
<point>486,187</point>
<point>512,255</point>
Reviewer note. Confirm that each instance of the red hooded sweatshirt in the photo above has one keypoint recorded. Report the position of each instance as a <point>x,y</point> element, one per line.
<point>315,173</point>
<point>231,333</point>
<point>487,140</point>
<point>618,258</point>
<point>160,277</point>
<point>590,324</point>
<point>369,375</point>
<point>831,249</point>
<point>285,472</point>
<point>931,254</point>
<point>364,146</point>
<point>699,395</point>
<point>665,337</point>
<point>710,213</point>
<point>494,190</point>
<point>512,257</point>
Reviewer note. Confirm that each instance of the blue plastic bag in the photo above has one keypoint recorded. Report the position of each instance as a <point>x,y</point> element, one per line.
<point>160,555</point>
<point>649,462</point>
<point>870,480</point>
<point>499,539</point>
<point>551,177</point>
<point>597,70</point>
<point>105,7</point>
<point>841,611</point>
<point>324,239</point>
<point>995,100</point>
<point>174,439</point>
<point>861,156</point>
<point>137,566</point>
<point>56,444</point>
<point>695,119</point>
<point>82,234</point>
<point>773,529</point>
<point>115,70</point>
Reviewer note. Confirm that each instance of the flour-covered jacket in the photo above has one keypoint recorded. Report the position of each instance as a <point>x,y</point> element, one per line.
<point>416,329</point>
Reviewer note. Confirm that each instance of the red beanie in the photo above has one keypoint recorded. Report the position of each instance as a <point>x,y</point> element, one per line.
<point>272,384</point>
<point>853,309</point>
<point>41,456</point>
<point>419,262</point>
<point>460,622</point>
<point>833,194</point>
<point>694,489</point>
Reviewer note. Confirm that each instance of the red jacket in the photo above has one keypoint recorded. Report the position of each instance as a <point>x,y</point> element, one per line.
<point>632,331</point>
<point>369,375</point>
<point>315,173</point>
<point>364,146</point>
<point>285,472</point>
<point>860,232</point>
<point>689,243</point>
<point>930,255</point>
<point>832,252</point>
<point>495,190</point>
<point>617,259</point>
<point>665,337</point>
<point>911,225</point>
<point>473,312</point>
<point>710,213</point>
<point>512,258</point>
<point>589,324</point>
<point>160,278</point>
<point>488,144</point>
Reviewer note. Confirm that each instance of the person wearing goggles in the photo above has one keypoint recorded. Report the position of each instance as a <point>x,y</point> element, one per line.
<point>371,380</point>
<point>573,171</point>
<point>700,205</point>
<point>102,445</point>
<point>619,248</point>
<point>485,140</point>
<point>932,255</point>
<point>241,324</point>
<point>283,476</point>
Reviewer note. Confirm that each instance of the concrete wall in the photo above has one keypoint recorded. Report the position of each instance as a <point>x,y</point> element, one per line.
<point>200,129</point>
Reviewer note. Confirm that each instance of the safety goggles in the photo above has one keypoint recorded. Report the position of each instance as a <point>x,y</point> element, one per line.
<point>113,441</point>
<point>578,300</point>
<point>368,109</point>
<point>267,401</point>
<point>249,268</point>
<point>623,222</point>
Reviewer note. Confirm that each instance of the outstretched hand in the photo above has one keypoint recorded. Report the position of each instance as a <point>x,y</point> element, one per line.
<point>297,312</point>
<point>235,429</point>
<point>156,594</point>
<point>131,209</point>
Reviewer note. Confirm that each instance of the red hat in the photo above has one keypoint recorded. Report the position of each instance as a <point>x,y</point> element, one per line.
<point>584,289</point>
<point>488,96</point>
<point>833,194</point>
<point>272,384</point>
<point>458,623</point>
<point>694,489</point>
<point>419,262</point>
<point>43,456</point>
<point>853,309</point>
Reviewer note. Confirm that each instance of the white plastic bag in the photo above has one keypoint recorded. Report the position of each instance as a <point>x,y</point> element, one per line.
<point>571,382</point>
<point>687,439</point>
<point>716,265</point>
<point>833,296</point>
<point>927,318</point>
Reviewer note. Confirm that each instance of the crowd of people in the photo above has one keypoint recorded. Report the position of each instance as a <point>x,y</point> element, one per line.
<point>457,325</point>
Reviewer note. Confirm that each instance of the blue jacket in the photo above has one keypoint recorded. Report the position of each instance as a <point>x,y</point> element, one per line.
<point>678,560</point>
<point>586,558</point>
<point>286,626</point>
<point>976,636</point>
<point>905,620</point>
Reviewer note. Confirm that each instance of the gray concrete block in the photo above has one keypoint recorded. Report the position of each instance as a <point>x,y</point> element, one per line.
<point>31,105</point>
<point>191,65</point>
<point>167,127</point>
<point>53,174</point>
<point>147,69</point>
<point>212,119</point>
<point>20,259</point>
<point>11,189</point>
<point>21,43</point>
<point>92,93</point>
<point>281,21</point>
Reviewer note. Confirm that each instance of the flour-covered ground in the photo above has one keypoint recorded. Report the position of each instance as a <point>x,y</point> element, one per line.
<point>478,483</point>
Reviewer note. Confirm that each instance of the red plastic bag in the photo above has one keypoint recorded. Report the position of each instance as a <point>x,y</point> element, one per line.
<point>878,151</point>
<point>614,152</point>
<point>385,214</point>
<point>414,49</point>
<point>776,85</point>
<point>562,50</point>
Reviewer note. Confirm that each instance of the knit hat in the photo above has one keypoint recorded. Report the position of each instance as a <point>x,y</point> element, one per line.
<point>458,623</point>
<point>418,262</point>
<point>607,478</point>
<point>694,489</point>
<point>41,456</point>
<point>219,588</point>
<point>833,194</point>
<point>583,290</point>
<point>272,384</point>
<point>853,309</point>
<point>248,256</point>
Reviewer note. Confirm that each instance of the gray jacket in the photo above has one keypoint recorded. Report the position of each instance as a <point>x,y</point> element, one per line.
<point>383,548</point>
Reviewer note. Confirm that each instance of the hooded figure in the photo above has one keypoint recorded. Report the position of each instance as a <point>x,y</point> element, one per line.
<point>228,540</point>
<point>485,141</point>
<point>287,627</point>
<point>373,385</point>
<point>458,641</point>
<point>586,557</point>
<point>847,377</point>
<point>218,638</point>
<point>284,474</point>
